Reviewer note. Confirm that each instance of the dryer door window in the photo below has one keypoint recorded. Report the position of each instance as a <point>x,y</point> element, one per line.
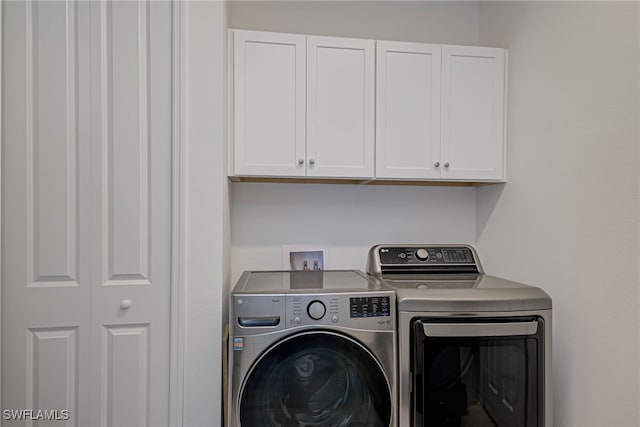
<point>316,379</point>
<point>470,372</point>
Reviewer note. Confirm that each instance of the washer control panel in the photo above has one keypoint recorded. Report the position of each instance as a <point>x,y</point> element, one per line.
<point>370,306</point>
<point>359,310</point>
<point>310,309</point>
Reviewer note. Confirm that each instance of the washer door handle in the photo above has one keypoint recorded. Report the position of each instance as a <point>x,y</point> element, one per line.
<point>505,329</point>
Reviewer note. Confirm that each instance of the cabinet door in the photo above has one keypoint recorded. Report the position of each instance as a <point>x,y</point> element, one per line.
<point>340,107</point>
<point>408,110</point>
<point>473,113</point>
<point>269,103</point>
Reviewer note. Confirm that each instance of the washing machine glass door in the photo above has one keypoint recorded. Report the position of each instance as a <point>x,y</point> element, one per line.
<point>316,378</point>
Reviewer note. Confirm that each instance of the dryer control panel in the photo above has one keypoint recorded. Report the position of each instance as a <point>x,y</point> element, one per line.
<point>422,259</point>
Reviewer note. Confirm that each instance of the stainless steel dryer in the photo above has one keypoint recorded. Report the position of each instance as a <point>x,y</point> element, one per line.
<point>312,349</point>
<point>474,350</point>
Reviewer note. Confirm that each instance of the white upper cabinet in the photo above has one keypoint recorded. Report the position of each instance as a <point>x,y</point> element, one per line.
<point>329,107</point>
<point>408,110</point>
<point>340,107</point>
<point>440,112</point>
<point>269,73</point>
<point>303,106</point>
<point>473,88</point>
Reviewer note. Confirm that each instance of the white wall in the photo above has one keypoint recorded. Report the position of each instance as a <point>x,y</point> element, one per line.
<point>426,21</point>
<point>203,278</point>
<point>345,219</point>
<point>568,218</point>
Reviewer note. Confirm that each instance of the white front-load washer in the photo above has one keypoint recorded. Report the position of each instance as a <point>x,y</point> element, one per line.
<point>312,349</point>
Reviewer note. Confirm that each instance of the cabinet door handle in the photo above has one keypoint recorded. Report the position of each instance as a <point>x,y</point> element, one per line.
<point>312,162</point>
<point>436,164</point>
<point>446,165</point>
<point>300,161</point>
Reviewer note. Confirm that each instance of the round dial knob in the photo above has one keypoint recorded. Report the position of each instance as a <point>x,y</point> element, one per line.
<point>316,310</point>
<point>422,254</point>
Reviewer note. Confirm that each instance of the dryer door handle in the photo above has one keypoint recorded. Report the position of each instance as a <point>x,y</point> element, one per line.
<point>504,329</point>
<point>259,321</point>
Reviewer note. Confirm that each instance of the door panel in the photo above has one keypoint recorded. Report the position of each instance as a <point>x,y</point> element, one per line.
<point>269,97</point>
<point>52,369</point>
<point>52,142</point>
<point>473,112</point>
<point>125,397</point>
<point>131,210</point>
<point>86,206</point>
<point>408,110</point>
<point>45,274</point>
<point>340,107</point>
<point>125,140</point>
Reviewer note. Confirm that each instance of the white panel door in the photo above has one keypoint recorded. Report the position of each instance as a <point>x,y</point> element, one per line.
<point>408,110</point>
<point>46,268</point>
<point>340,107</point>
<point>473,88</point>
<point>131,112</point>
<point>269,103</point>
<point>86,203</point>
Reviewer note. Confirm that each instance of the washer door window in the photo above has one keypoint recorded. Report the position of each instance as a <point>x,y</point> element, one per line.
<point>316,379</point>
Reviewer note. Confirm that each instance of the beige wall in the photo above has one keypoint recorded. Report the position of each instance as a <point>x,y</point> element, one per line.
<point>567,220</point>
<point>345,220</point>
<point>201,289</point>
<point>432,21</point>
